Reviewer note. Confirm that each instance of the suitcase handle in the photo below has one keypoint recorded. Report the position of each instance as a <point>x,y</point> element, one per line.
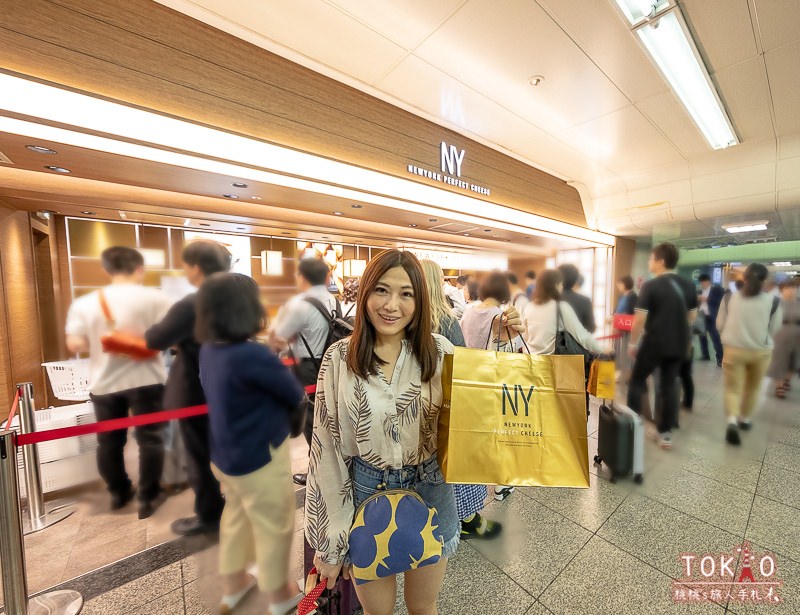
<point>309,604</point>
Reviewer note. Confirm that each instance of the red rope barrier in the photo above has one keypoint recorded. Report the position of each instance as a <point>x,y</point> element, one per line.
<point>616,336</point>
<point>123,423</point>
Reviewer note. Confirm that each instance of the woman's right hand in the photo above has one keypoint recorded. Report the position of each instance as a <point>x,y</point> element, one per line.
<point>330,572</point>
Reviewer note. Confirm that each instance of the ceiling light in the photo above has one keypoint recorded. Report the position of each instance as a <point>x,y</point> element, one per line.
<point>433,219</point>
<point>466,234</point>
<point>231,196</point>
<point>338,213</point>
<point>256,198</point>
<point>51,167</point>
<point>204,224</point>
<point>146,135</point>
<point>665,36</point>
<point>271,262</point>
<point>285,233</point>
<point>487,230</point>
<point>39,149</point>
<point>356,206</point>
<point>239,185</point>
<point>241,228</point>
<point>746,227</point>
<point>536,80</point>
<point>88,213</point>
<point>782,264</point>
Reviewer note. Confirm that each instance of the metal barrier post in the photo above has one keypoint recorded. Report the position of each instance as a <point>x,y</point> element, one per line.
<point>12,547</point>
<point>38,516</point>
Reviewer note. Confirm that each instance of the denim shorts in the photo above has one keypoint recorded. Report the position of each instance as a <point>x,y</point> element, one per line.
<point>426,480</point>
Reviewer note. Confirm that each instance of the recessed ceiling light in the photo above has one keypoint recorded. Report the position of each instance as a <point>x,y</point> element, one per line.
<point>782,264</point>
<point>536,80</point>
<point>51,167</point>
<point>241,228</point>
<point>356,206</point>
<point>230,196</point>
<point>88,213</point>
<point>433,219</point>
<point>239,185</point>
<point>338,213</point>
<point>466,234</point>
<point>40,149</point>
<point>285,233</point>
<point>487,230</point>
<point>325,237</point>
<point>256,198</point>
<point>413,225</point>
<point>204,224</point>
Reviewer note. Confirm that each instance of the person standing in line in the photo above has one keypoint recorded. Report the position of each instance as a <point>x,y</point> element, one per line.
<point>455,296</point>
<point>200,260</point>
<point>530,284</point>
<point>710,300</point>
<point>581,304</point>
<point>119,385</point>
<point>661,336</point>
<point>378,402</point>
<point>786,355</point>
<point>518,298</point>
<point>250,394</point>
<point>747,321</point>
<point>486,325</point>
<point>472,292</point>
<point>303,326</point>
<point>470,499</point>
<point>627,296</point>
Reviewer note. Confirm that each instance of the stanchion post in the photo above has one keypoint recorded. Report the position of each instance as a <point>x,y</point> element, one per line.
<point>12,548</point>
<point>30,454</point>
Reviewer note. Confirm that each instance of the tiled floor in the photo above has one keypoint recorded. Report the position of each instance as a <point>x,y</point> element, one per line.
<point>610,549</point>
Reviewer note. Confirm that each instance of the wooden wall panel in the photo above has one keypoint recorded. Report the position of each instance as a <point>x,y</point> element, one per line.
<point>19,296</point>
<point>6,377</point>
<point>141,52</point>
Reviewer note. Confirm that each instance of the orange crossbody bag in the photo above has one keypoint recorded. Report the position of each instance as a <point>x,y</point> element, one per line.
<point>125,344</point>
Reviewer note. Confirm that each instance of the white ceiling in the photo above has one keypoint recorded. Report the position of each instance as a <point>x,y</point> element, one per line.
<point>604,117</point>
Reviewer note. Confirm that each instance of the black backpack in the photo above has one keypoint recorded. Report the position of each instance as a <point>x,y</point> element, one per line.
<point>338,327</point>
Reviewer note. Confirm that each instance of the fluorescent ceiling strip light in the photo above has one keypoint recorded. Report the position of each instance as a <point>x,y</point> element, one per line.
<point>782,264</point>
<point>745,228</point>
<point>30,98</point>
<point>668,41</point>
<point>143,152</point>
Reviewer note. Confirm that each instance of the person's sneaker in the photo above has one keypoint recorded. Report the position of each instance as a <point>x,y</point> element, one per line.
<point>120,500</point>
<point>665,440</point>
<point>745,425</point>
<point>480,528</point>
<point>732,435</point>
<point>192,526</point>
<point>148,507</point>
<point>502,492</point>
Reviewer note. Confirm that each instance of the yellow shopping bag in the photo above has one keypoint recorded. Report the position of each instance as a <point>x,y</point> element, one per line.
<point>513,419</point>
<point>602,377</point>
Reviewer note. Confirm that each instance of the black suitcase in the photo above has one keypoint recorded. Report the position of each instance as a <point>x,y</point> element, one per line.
<point>341,600</point>
<point>620,442</point>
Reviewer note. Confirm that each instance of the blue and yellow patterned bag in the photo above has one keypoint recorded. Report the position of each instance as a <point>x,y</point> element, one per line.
<point>393,531</point>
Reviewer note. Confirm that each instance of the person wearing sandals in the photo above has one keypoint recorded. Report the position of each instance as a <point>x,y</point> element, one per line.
<point>377,407</point>
<point>249,394</point>
<point>487,326</point>
<point>785,355</point>
<point>747,322</point>
<point>470,499</point>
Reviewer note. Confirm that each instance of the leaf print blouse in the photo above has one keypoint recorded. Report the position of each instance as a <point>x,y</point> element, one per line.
<point>386,425</point>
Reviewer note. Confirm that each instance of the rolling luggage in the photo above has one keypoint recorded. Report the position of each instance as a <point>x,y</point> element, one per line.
<point>341,600</point>
<point>620,442</point>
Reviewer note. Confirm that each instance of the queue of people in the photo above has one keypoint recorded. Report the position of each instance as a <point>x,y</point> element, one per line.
<point>377,363</point>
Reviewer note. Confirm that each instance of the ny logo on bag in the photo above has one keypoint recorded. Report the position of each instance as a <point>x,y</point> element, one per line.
<point>513,402</point>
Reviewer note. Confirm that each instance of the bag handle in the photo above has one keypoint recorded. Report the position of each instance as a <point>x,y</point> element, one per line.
<point>309,603</point>
<point>104,307</point>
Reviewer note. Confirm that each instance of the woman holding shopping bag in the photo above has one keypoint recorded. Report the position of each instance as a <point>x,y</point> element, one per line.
<point>487,326</point>
<point>470,499</point>
<point>375,439</point>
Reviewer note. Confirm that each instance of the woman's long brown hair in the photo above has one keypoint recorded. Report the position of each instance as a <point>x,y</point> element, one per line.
<point>361,357</point>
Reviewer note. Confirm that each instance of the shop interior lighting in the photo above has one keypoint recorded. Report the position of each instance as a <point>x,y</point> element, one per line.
<point>782,264</point>
<point>271,262</point>
<point>748,227</point>
<point>41,150</point>
<point>663,32</point>
<point>51,167</point>
<point>247,157</point>
<point>354,267</point>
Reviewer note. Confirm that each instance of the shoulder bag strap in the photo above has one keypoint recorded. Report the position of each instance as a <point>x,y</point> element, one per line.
<point>320,307</point>
<point>775,303</point>
<point>680,292</point>
<point>489,337</point>
<point>104,307</point>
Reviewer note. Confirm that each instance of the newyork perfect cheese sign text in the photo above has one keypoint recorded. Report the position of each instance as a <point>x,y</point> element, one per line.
<point>450,170</point>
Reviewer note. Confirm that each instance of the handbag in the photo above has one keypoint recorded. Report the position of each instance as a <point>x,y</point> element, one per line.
<point>393,531</point>
<point>123,344</point>
<point>602,379</point>
<point>513,419</point>
<point>566,344</point>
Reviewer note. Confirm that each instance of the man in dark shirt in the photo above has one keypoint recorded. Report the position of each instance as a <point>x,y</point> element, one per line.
<point>200,260</point>
<point>660,338</point>
<point>710,300</point>
<point>580,303</point>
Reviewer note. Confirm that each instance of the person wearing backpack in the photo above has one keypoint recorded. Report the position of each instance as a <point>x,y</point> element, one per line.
<point>747,322</point>
<point>304,326</point>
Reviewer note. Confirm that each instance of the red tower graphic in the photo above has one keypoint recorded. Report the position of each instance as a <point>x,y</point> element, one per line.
<point>747,571</point>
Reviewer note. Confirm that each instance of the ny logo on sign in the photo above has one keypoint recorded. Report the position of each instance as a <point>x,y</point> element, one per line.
<point>452,158</point>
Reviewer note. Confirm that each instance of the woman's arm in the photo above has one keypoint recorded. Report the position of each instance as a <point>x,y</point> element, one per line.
<point>577,330</point>
<point>329,492</point>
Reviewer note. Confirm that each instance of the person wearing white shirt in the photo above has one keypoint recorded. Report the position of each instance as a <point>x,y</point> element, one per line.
<point>118,384</point>
<point>456,297</point>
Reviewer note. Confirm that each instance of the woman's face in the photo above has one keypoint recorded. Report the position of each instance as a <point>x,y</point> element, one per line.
<point>390,307</point>
<point>621,288</point>
<point>560,287</point>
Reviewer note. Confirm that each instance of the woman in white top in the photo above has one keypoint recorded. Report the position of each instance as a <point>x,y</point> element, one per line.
<point>747,322</point>
<point>545,315</point>
<point>375,427</point>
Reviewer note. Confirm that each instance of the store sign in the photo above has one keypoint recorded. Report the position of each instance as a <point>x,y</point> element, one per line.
<point>451,159</point>
<point>462,261</point>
